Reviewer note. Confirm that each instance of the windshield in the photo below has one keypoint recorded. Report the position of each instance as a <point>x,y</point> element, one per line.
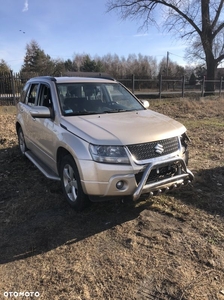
<point>95,98</point>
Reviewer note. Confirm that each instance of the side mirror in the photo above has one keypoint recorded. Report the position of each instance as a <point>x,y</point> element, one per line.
<point>145,103</point>
<point>40,112</point>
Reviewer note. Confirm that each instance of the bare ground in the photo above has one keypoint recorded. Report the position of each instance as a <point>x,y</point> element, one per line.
<point>167,247</point>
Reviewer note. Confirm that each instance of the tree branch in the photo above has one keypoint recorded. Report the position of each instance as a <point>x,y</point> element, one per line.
<point>133,7</point>
<point>219,59</point>
<point>218,30</point>
<point>217,14</point>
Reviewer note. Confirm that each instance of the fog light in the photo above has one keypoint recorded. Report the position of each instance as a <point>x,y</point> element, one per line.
<point>120,185</point>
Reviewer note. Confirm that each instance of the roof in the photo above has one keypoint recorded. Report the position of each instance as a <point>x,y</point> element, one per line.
<point>74,79</point>
<point>81,79</point>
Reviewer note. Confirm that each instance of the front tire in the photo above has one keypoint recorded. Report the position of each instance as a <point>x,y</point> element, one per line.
<point>71,184</point>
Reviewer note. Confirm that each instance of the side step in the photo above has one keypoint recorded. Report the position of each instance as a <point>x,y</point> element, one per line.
<point>41,166</point>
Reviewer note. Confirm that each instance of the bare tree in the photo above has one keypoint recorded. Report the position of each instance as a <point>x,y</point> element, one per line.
<point>199,21</point>
<point>170,70</point>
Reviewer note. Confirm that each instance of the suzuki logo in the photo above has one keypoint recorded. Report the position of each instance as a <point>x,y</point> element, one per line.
<point>159,149</point>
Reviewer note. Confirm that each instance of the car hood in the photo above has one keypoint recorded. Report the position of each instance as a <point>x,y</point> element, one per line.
<point>123,128</point>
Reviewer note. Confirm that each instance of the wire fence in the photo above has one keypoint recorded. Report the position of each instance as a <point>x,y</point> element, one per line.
<point>168,87</point>
<point>11,85</point>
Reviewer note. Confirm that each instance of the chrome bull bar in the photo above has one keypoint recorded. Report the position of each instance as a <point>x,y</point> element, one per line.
<point>184,175</point>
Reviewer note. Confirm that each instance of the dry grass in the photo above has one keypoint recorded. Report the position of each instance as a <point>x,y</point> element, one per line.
<point>167,247</point>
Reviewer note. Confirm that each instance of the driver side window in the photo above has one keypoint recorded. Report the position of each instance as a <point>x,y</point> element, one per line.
<point>45,96</point>
<point>32,95</point>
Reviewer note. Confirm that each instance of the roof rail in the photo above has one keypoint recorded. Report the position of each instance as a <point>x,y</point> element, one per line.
<point>45,77</point>
<point>104,77</point>
<point>89,74</point>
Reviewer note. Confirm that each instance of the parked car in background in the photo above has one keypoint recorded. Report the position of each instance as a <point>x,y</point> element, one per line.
<point>99,140</point>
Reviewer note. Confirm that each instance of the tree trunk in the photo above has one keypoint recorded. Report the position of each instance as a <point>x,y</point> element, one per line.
<point>211,70</point>
<point>207,42</point>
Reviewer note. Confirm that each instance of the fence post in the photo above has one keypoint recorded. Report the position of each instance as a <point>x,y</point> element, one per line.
<point>183,86</point>
<point>220,86</point>
<point>160,86</point>
<point>133,83</point>
<point>13,87</point>
<point>203,86</point>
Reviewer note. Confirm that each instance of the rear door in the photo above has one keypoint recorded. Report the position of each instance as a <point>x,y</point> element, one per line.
<point>25,107</point>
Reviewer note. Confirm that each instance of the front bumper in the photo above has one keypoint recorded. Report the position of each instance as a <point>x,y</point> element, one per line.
<point>131,186</point>
<point>182,177</point>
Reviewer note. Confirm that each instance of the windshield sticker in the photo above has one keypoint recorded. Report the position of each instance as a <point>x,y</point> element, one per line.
<point>68,111</point>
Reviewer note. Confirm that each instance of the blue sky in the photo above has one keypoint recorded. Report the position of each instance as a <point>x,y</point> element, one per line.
<point>68,27</point>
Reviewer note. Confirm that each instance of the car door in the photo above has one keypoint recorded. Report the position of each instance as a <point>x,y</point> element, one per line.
<point>44,129</point>
<point>25,107</point>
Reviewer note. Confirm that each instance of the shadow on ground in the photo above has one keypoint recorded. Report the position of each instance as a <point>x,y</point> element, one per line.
<point>206,192</point>
<point>34,217</point>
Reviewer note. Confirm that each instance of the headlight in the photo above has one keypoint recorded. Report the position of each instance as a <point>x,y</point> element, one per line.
<point>184,140</point>
<point>109,154</point>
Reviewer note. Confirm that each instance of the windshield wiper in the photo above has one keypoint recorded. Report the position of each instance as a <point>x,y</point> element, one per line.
<point>80,113</point>
<point>115,110</point>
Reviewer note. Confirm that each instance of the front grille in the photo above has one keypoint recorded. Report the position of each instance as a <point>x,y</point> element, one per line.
<point>147,150</point>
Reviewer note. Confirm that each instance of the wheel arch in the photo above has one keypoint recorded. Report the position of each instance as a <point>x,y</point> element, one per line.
<point>61,152</point>
<point>18,125</point>
<point>71,181</point>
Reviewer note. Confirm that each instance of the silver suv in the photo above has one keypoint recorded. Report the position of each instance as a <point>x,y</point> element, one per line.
<point>99,140</point>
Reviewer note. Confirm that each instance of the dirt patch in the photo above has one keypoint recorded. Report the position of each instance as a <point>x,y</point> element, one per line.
<point>166,247</point>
